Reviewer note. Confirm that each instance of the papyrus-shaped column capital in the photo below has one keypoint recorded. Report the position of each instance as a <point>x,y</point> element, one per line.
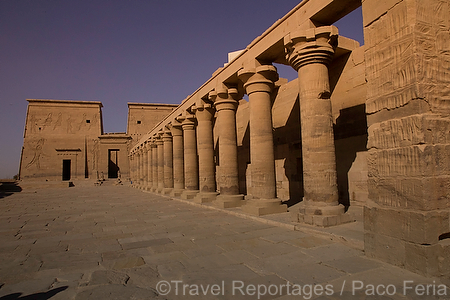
<point>159,141</point>
<point>187,121</point>
<point>203,111</point>
<point>147,145</point>
<point>314,45</point>
<point>152,142</point>
<point>176,128</point>
<point>224,98</point>
<point>167,135</point>
<point>258,79</point>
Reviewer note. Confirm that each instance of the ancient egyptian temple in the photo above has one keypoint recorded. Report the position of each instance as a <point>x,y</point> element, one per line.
<point>363,126</point>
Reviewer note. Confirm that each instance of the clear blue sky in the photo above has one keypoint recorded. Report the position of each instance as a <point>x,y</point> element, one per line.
<point>119,51</point>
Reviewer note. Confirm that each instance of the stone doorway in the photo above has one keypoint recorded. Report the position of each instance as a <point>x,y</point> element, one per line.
<point>113,163</point>
<point>66,169</point>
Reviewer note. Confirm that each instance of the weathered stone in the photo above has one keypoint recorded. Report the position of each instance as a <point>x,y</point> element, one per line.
<point>300,140</point>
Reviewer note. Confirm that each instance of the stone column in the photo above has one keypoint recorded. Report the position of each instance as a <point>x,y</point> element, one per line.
<point>140,166</point>
<point>154,165</point>
<point>204,113</point>
<point>228,178</point>
<point>259,84</point>
<point>160,145</point>
<point>149,166</point>
<point>144,166</point>
<point>168,162</point>
<point>310,52</point>
<point>135,176</point>
<point>131,162</point>
<point>178,159</point>
<point>190,157</point>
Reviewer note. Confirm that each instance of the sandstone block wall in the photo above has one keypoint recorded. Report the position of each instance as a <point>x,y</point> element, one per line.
<point>407,62</point>
<point>142,117</point>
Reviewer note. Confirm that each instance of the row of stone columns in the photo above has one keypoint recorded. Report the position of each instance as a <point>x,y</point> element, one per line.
<point>184,152</point>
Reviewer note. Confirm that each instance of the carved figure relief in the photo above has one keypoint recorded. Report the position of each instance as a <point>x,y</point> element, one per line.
<point>38,153</point>
<point>58,121</point>
<point>48,121</point>
<point>82,122</point>
<point>32,124</point>
<point>95,153</point>
<point>129,145</point>
<point>93,121</point>
<point>69,125</point>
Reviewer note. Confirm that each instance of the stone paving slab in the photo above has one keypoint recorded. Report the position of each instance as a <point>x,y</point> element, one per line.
<point>116,242</point>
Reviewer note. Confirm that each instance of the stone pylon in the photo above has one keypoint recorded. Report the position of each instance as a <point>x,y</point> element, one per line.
<point>259,84</point>
<point>228,179</point>
<point>190,156</point>
<point>204,113</point>
<point>310,52</point>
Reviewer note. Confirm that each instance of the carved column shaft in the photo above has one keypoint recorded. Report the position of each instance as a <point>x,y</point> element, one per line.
<point>149,165</point>
<point>178,156</point>
<point>168,160</point>
<point>259,84</point>
<point>190,155</point>
<point>154,166</point>
<point>206,166</point>
<point>160,144</point>
<point>144,166</point>
<point>226,118</point>
<point>135,177</point>
<point>141,179</point>
<point>131,163</point>
<point>310,52</point>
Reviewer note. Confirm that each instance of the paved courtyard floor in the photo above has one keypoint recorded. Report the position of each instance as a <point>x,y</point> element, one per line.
<point>117,242</point>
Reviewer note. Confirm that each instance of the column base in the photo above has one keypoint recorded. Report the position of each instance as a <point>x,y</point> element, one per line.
<point>159,190</point>
<point>176,192</point>
<point>154,189</point>
<point>166,191</point>
<point>229,201</point>
<point>189,194</point>
<point>260,207</point>
<point>319,214</point>
<point>203,197</point>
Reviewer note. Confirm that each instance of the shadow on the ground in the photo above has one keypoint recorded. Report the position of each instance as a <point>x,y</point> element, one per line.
<point>7,188</point>
<point>35,296</point>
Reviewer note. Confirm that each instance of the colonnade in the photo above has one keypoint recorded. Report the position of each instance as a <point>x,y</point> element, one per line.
<point>182,160</point>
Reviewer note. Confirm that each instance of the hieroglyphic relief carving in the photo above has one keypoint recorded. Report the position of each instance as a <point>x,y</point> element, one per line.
<point>48,121</point>
<point>129,145</point>
<point>82,122</point>
<point>69,125</point>
<point>58,121</point>
<point>93,121</point>
<point>95,154</point>
<point>33,123</point>
<point>38,153</point>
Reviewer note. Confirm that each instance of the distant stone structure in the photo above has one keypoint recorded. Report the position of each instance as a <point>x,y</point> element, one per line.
<point>361,125</point>
<point>64,140</point>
